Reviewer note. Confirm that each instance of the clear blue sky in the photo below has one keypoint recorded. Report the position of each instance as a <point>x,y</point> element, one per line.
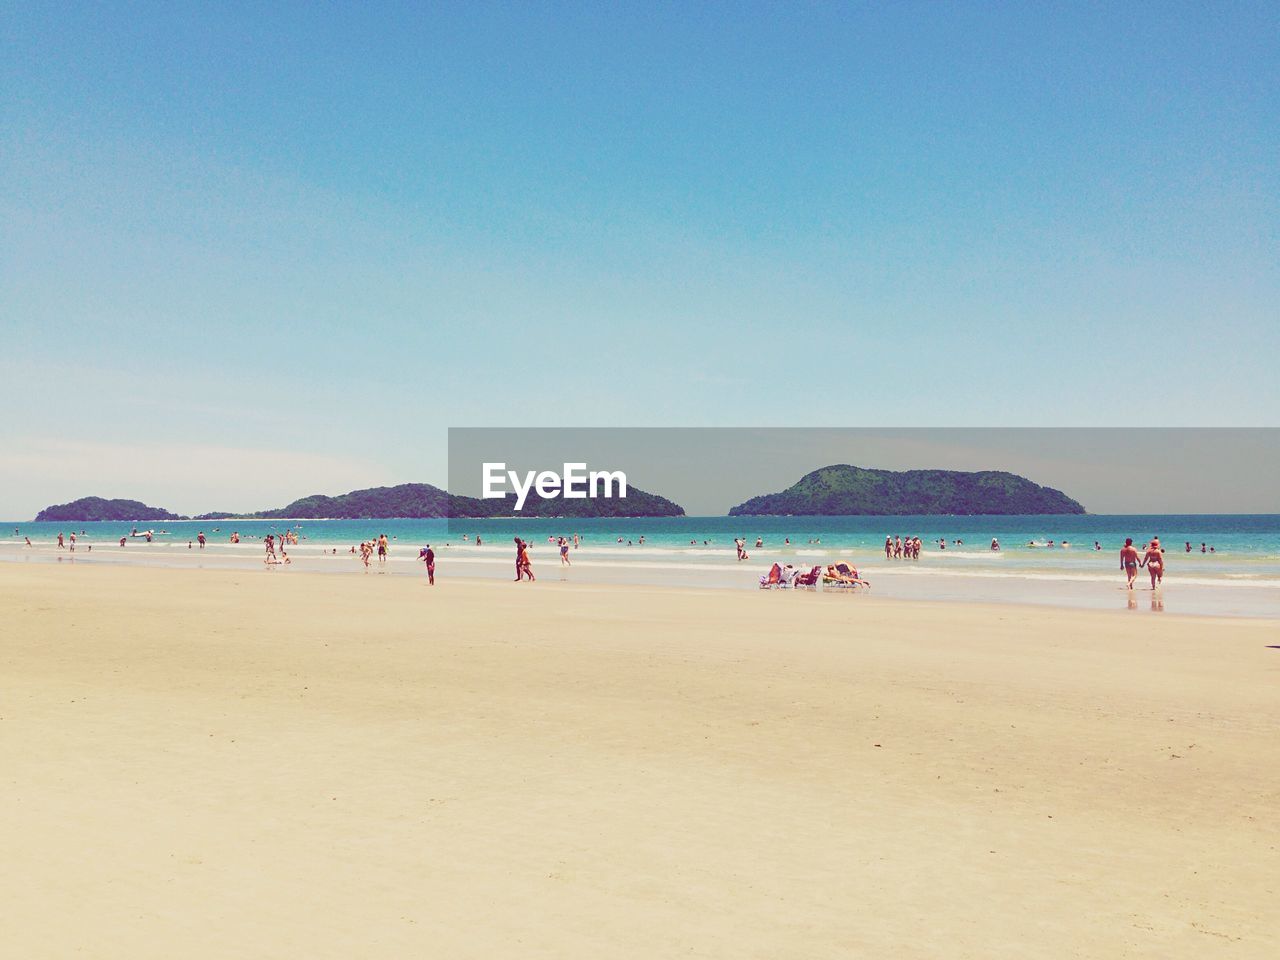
<point>278,250</point>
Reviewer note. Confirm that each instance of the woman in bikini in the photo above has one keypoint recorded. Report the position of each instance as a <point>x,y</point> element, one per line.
<point>1153,560</point>
<point>526,565</point>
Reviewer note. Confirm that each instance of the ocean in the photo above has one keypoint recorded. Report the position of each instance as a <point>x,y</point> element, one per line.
<point>1237,574</point>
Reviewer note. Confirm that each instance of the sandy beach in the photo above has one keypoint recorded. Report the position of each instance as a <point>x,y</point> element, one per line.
<point>211,763</point>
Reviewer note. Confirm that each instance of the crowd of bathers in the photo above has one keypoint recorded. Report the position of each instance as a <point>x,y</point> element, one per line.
<point>903,548</point>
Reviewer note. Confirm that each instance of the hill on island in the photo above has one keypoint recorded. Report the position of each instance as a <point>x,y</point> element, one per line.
<point>88,509</point>
<point>845,490</point>
<point>424,501</point>
<point>409,500</point>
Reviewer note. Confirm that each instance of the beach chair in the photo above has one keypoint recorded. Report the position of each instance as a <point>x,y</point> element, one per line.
<point>786,576</point>
<point>835,581</point>
<point>771,579</point>
<point>809,579</point>
<point>845,570</point>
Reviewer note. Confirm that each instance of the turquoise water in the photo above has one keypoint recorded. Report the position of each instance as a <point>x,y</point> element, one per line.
<point>1245,546</point>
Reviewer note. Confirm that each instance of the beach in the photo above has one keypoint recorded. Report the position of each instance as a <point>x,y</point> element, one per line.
<point>249,763</point>
<point>1239,578</point>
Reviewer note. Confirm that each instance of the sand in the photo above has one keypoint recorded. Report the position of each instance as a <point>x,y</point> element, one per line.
<point>273,764</point>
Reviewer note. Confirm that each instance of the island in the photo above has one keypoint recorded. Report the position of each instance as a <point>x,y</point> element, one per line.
<point>424,501</point>
<point>845,490</point>
<point>89,509</point>
<point>406,500</point>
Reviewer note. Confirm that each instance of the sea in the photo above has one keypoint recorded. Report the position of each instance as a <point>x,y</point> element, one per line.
<point>1232,566</point>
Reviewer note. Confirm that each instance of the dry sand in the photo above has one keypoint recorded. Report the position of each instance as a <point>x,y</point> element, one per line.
<point>214,764</point>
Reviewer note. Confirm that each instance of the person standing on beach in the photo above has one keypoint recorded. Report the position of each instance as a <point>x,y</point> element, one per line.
<point>1129,561</point>
<point>200,539</point>
<point>270,543</point>
<point>383,547</point>
<point>526,565</point>
<point>564,553</point>
<point>519,559</point>
<point>1153,560</point>
<point>428,556</point>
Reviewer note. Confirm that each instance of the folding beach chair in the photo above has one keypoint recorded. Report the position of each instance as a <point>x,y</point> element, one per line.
<point>772,579</point>
<point>809,579</point>
<point>845,570</point>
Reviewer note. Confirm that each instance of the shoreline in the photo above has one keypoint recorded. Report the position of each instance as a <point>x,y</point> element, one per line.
<point>897,581</point>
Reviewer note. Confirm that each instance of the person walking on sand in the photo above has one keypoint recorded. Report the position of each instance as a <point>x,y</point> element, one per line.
<point>270,543</point>
<point>428,556</point>
<point>564,553</point>
<point>1129,561</point>
<point>1153,560</point>
<point>366,553</point>
<point>519,559</point>
<point>526,565</point>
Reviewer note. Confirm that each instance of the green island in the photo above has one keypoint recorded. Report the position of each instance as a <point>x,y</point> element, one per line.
<point>89,509</point>
<point>845,490</point>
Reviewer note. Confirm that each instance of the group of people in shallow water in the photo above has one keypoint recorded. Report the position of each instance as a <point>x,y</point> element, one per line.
<point>382,546</point>
<point>903,548</point>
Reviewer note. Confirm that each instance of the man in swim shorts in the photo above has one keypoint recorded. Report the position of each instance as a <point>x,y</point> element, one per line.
<point>1129,560</point>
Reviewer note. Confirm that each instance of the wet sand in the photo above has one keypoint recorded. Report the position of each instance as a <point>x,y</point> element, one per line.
<point>263,764</point>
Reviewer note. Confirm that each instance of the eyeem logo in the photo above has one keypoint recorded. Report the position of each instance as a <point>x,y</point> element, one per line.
<point>576,483</point>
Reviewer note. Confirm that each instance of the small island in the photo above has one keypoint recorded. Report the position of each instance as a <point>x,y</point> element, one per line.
<point>407,500</point>
<point>846,490</point>
<point>90,509</point>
